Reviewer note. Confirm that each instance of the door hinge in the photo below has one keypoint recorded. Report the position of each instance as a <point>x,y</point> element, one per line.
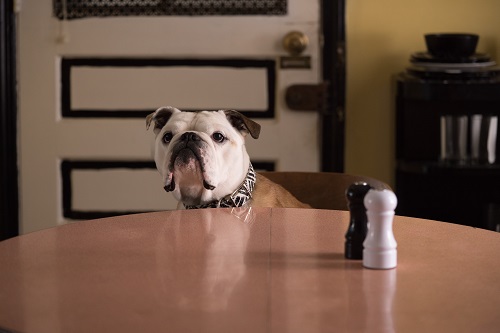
<point>307,97</point>
<point>17,4</point>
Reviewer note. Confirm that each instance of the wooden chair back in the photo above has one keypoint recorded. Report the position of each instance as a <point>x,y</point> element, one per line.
<point>322,190</point>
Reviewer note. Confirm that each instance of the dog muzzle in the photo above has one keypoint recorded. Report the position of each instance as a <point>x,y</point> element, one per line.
<point>238,198</point>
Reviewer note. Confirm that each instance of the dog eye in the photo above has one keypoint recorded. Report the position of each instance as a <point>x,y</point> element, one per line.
<point>218,137</point>
<point>167,137</point>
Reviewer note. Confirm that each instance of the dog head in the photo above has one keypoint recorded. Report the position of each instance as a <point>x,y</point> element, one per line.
<point>201,156</point>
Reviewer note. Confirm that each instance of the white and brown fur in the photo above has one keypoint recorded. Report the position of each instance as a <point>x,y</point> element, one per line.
<point>216,161</point>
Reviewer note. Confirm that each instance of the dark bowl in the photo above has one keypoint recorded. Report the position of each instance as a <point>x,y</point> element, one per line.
<point>451,45</point>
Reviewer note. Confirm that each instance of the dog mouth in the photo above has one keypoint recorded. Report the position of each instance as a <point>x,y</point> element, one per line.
<point>187,158</point>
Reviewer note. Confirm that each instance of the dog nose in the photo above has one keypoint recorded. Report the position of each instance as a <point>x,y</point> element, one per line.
<point>190,136</point>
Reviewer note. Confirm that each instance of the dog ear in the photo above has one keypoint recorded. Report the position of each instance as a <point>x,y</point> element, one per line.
<point>160,117</point>
<point>242,123</point>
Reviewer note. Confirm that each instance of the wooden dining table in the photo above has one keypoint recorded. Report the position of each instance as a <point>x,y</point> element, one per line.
<point>246,270</point>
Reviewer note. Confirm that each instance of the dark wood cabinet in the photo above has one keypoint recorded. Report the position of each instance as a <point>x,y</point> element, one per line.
<point>427,187</point>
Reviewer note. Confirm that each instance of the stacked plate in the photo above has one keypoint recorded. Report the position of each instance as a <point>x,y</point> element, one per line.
<point>452,56</point>
<point>479,65</point>
<point>425,59</point>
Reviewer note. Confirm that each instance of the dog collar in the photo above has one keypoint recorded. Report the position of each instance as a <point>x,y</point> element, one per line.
<point>236,199</point>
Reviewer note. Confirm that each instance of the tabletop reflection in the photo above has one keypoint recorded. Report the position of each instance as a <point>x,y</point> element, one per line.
<point>201,264</point>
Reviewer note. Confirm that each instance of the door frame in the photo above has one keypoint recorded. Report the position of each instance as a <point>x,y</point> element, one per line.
<point>9,191</point>
<point>332,117</point>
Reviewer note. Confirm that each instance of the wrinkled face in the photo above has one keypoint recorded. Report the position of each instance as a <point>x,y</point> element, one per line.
<point>200,156</point>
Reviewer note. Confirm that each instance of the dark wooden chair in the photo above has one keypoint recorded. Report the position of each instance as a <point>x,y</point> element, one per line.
<point>322,190</point>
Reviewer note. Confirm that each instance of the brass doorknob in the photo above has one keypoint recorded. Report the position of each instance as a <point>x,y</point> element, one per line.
<point>295,42</point>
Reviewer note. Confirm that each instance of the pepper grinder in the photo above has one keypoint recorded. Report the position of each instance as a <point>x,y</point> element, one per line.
<point>380,246</point>
<point>357,230</point>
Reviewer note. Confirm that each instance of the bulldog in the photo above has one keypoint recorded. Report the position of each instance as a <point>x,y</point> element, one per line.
<point>202,159</point>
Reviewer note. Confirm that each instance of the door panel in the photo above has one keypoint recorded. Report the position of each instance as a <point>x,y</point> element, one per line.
<point>186,87</point>
<point>114,87</point>
<point>76,122</point>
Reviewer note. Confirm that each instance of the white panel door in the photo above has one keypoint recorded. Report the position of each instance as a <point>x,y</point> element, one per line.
<point>84,148</point>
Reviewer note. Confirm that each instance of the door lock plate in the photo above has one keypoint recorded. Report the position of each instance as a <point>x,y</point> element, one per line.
<point>306,97</point>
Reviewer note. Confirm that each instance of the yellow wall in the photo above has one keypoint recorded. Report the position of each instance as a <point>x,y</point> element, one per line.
<point>381,36</point>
